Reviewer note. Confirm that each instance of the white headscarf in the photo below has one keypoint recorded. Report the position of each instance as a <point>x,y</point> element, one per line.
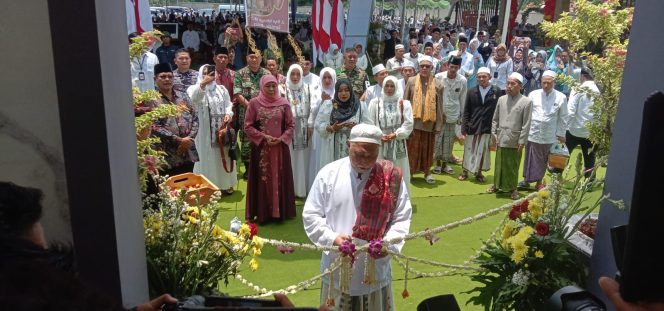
<point>291,85</point>
<point>394,96</point>
<point>333,74</point>
<point>333,47</point>
<point>210,88</point>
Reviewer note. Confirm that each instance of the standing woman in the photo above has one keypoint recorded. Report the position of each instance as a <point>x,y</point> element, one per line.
<point>215,111</point>
<point>299,97</point>
<point>536,68</point>
<point>394,116</point>
<point>477,61</point>
<point>328,77</point>
<point>335,119</point>
<point>269,126</point>
<point>501,67</point>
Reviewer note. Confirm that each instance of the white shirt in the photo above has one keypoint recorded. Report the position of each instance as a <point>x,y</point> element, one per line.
<point>415,60</point>
<point>445,49</point>
<point>500,72</point>
<point>362,62</point>
<point>549,116</point>
<point>579,112</point>
<point>313,81</point>
<point>484,91</point>
<point>331,210</point>
<point>144,64</point>
<point>190,39</point>
<point>467,63</point>
<point>374,91</point>
<point>394,63</point>
<point>454,95</point>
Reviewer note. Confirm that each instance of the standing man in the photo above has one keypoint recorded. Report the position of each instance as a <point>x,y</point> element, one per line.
<point>476,126</point>
<point>414,55</point>
<point>467,62</point>
<point>226,77</point>
<point>310,78</point>
<point>579,112</point>
<point>485,47</point>
<point>547,126</point>
<point>376,90</point>
<point>166,52</point>
<point>509,130</point>
<point>357,77</point>
<point>425,94</point>
<point>389,45</point>
<point>184,76</point>
<point>245,87</point>
<point>190,39</point>
<point>397,60</point>
<point>454,95</point>
<point>142,68</point>
<point>407,70</point>
<point>446,47</point>
<point>341,202</point>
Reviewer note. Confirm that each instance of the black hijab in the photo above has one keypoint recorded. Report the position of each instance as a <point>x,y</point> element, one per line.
<point>343,110</point>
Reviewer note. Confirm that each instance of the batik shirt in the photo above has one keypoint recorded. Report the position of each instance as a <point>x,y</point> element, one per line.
<point>182,81</point>
<point>185,124</point>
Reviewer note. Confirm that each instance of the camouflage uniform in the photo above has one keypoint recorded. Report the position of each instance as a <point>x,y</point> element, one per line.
<point>357,77</point>
<point>246,84</point>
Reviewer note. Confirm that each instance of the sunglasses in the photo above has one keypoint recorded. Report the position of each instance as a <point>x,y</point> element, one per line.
<point>425,66</point>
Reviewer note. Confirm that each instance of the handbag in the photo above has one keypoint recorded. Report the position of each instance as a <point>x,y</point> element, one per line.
<point>558,157</point>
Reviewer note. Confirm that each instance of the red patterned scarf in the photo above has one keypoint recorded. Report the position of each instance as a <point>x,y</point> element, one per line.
<point>379,200</point>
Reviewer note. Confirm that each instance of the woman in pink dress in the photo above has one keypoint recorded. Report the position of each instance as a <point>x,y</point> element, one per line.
<point>269,125</point>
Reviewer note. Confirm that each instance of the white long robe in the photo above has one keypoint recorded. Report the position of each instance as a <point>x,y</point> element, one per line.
<point>330,141</point>
<point>331,209</point>
<point>387,116</point>
<point>299,154</point>
<point>210,164</point>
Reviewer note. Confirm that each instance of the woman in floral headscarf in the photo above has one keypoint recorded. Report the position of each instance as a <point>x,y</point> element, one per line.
<point>269,126</point>
<point>335,119</point>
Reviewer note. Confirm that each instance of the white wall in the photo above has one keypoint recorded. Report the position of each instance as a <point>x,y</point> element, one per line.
<point>30,138</point>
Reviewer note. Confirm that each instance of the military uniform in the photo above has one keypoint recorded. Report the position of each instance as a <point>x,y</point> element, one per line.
<point>357,77</point>
<point>246,84</point>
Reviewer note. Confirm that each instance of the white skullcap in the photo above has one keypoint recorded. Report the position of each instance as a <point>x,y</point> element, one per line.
<point>517,76</point>
<point>484,70</point>
<point>407,63</point>
<point>426,58</point>
<point>378,68</point>
<point>366,133</point>
<point>398,46</point>
<point>549,73</point>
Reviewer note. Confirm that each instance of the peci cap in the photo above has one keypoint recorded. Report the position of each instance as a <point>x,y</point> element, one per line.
<point>366,133</point>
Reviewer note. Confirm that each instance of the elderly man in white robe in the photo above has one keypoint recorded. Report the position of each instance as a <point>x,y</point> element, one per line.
<point>376,90</point>
<point>343,200</point>
<point>548,125</point>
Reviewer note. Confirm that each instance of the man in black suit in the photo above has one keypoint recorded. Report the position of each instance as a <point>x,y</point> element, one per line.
<point>485,47</point>
<point>389,44</point>
<point>476,125</point>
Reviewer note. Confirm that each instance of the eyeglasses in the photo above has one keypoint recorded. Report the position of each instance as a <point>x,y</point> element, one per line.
<point>165,77</point>
<point>425,66</point>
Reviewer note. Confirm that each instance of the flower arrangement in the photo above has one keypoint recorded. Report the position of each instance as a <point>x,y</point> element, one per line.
<point>187,252</point>
<point>531,259</point>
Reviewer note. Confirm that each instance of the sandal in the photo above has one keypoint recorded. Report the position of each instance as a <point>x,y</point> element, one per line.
<point>492,189</point>
<point>463,177</point>
<point>228,191</point>
<point>480,179</point>
<point>515,195</point>
<point>429,179</point>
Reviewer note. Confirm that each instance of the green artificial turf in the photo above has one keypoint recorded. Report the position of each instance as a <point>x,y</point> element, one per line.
<point>448,201</point>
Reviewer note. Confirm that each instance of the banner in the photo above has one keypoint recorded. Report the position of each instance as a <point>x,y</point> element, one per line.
<point>267,14</point>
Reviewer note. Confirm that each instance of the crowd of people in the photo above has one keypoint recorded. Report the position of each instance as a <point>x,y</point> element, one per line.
<point>349,147</point>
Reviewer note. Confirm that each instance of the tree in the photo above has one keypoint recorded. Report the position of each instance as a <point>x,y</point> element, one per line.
<point>597,32</point>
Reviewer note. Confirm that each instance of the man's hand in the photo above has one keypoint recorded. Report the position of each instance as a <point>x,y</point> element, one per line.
<point>157,303</point>
<point>334,127</point>
<point>519,147</point>
<point>561,139</point>
<point>241,100</point>
<point>611,289</point>
<point>341,238</point>
<point>185,145</point>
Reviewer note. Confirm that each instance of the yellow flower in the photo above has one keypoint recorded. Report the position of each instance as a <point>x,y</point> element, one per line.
<point>193,211</point>
<point>519,254</point>
<point>253,264</point>
<point>244,231</point>
<point>544,194</point>
<point>508,230</point>
<point>257,252</point>
<point>535,212</point>
<point>217,231</point>
<point>257,242</point>
<point>539,254</point>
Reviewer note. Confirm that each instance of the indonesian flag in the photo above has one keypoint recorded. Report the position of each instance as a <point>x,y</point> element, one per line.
<point>314,31</point>
<point>338,25</point>
<point>139,18</point>
<point>326,23</point>
<point>321,19</point>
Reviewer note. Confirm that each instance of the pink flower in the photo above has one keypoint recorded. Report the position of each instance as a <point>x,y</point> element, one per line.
<point>603,11</point>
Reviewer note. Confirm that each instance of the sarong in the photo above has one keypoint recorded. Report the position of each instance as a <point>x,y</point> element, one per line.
<point>537,157</point>
<point>420,151</point>
<point>506,175</point>
<point>476,155</point>
<point>445,143</point>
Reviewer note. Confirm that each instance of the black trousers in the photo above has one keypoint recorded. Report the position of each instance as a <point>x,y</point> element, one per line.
<point>587,149</point>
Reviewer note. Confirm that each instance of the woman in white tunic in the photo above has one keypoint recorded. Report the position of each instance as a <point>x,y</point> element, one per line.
<point>215,110</point>
<point>335,119</point>
<point>394,116</point>
<point>328,77</point>
<point>299,97</point>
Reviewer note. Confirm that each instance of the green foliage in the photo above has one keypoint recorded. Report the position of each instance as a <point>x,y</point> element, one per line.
<point>526,264</point>
<point>600,26</point>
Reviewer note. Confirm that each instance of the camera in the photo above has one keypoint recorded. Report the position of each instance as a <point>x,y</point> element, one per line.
<point>197,303</point>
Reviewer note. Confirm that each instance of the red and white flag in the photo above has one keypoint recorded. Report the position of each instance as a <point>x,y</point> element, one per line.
<point>338,26</point>
<point>314,31</point>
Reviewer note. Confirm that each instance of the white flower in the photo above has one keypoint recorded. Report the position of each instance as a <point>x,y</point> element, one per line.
<point>521,278</point>
<point>201,263</point>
